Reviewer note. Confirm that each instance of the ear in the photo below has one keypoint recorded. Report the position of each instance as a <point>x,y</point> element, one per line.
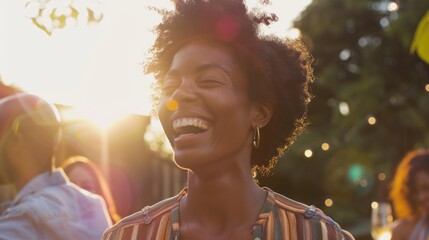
<point>264,112</point>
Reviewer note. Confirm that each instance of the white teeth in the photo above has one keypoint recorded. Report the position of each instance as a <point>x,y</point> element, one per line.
<point>195,122</point>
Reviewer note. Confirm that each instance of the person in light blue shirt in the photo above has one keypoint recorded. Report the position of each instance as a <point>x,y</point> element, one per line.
<point>47,206</point>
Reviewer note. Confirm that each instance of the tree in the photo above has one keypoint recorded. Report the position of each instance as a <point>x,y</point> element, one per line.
<point>370,105</point>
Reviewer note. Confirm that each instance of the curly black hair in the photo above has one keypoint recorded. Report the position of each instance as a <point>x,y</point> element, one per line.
<point>278,71</point>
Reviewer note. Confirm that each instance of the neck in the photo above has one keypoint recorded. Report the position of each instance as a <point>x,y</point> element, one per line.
<point>228,200</point>
<point>26,175</point>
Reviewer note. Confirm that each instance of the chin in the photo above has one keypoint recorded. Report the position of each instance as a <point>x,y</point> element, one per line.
<point>185,164</point>
<point>190,161</point>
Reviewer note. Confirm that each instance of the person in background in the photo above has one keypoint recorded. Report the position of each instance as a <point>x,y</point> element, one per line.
<point>46,205</point>
<point>410,197</point>
<point>84,173</point>
<point>231,102</point>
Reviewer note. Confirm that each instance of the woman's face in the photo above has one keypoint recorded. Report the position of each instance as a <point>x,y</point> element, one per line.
<point>83,177</point>
<point>211,126</point>
<point>421,190</point>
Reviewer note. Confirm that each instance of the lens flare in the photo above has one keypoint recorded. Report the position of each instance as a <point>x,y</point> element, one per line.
<point>172,105</point>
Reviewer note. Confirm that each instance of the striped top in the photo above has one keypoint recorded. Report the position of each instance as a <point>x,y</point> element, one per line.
<point>421,230</point>
<point>280,218</point>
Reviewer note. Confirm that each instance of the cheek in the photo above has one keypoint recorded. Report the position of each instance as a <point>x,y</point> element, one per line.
<point>164,116</point>
<point>162,109</point>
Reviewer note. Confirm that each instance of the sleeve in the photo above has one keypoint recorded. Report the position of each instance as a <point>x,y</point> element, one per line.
<point>323,227</point>
<point>17,225</point>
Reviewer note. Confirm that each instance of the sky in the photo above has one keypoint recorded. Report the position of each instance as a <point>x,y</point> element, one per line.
<point>97,68</point>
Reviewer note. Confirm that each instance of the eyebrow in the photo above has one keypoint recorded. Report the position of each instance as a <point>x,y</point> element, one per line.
<point>201,68</point>
<point>205,67</point>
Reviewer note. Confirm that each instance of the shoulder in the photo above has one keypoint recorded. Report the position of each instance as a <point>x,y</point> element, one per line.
<point>59,201</point>
<point>144,222</point>
<point>308,220</point>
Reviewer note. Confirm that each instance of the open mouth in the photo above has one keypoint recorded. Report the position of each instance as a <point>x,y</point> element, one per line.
<point>183,126</point>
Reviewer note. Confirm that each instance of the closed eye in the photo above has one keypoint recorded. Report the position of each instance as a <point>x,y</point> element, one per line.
<point>210,82</point>
<point>212,78</point>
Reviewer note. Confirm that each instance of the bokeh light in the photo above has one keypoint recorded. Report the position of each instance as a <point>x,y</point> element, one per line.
<point>156,138</point>
<point>374,205</point>
<point>427,87</point>
<point>345,54</point>
<point>372,120</point>
<point>392,6</point>
<point>325,146</point>
<point>329,202</point>
<point>363,183</point>
<point>293,33</point>
<point>308,153</point>
<point>355,173</point>
<point>381,176</point>
<point>344,108</point>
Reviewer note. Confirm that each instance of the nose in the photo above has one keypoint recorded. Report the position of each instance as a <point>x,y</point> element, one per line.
<point>185,92</point>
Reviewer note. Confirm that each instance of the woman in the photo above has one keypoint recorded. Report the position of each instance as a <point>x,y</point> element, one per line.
<point>230,104</point>
<point>84,173</point>
<point>410,197</point>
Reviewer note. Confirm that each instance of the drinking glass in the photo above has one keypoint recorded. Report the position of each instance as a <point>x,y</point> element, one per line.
<point>381,221</point>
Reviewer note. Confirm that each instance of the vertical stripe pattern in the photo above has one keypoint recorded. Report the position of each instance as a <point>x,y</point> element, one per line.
<point>280,219</point>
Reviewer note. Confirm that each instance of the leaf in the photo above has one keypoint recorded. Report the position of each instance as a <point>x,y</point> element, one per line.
<point>41,26</point>
<point>420,41</point>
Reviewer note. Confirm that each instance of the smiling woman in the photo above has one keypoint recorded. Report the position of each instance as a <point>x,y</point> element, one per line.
<point>230,102</point>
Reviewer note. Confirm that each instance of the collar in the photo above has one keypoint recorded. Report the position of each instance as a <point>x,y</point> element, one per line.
<point>45,179</point>
<point>257,230</point>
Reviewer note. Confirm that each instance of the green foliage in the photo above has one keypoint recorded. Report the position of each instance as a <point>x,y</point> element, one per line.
<point>363,64</point>
<point>51,15</point>
<point>421,39</point>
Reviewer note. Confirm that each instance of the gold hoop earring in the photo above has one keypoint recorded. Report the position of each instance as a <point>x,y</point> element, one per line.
<point>256,137</point>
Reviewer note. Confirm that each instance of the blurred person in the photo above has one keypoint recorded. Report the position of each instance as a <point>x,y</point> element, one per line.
<point>84,173</point>
<point>6,90</point>
<point>7,191</point>
<point>46,205</point>
<point>410,197</point>
<point>231,102</point>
